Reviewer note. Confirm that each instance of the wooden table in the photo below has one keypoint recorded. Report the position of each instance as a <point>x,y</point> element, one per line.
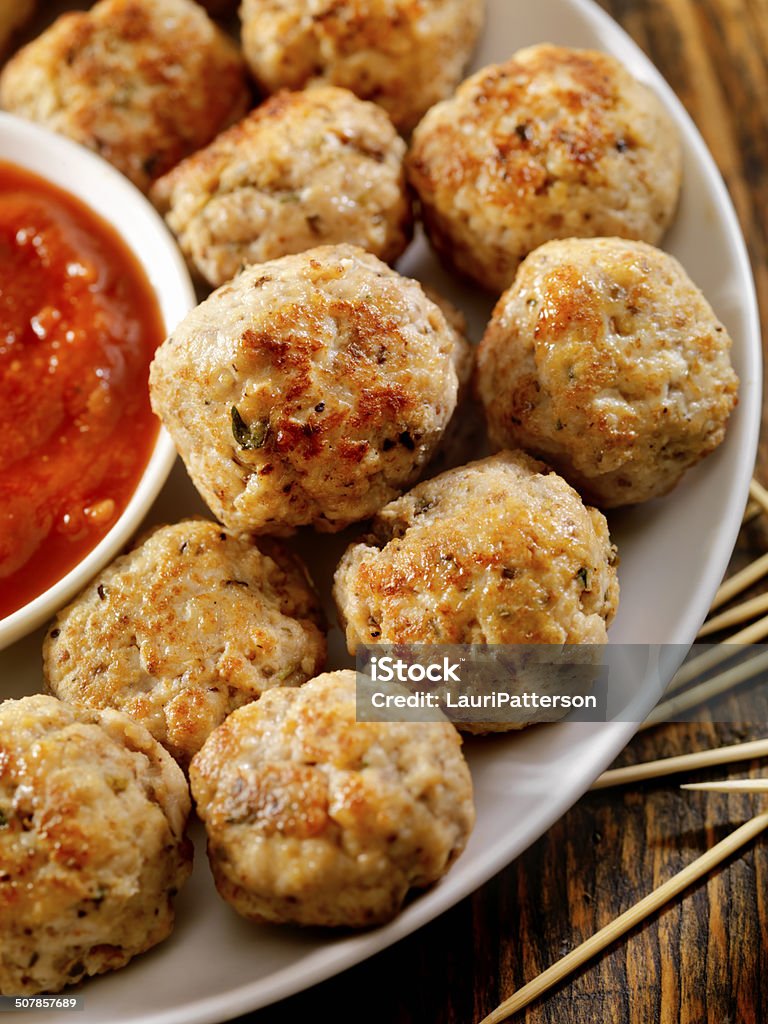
<point>703,959</point>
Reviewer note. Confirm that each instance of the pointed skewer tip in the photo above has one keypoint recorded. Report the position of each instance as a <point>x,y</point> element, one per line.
<point>729,786</point>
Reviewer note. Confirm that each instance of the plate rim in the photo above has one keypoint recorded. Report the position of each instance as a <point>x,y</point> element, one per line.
<point>297,977</point>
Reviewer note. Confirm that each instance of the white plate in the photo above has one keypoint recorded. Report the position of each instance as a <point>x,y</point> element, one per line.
<point>674,553</point>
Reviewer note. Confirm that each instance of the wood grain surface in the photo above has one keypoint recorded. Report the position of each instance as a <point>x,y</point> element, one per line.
<point>702,960</point>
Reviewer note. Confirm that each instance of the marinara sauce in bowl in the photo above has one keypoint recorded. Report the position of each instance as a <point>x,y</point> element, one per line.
<point>90,284</point>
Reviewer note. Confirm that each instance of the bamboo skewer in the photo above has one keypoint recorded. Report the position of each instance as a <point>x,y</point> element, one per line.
<point>740,581</point>
<point>735,616</point>
<point>629,919</point>
<point>752,511</point>
<point>706,691</point>
<point>730,786</point>
<point>751,635</point>
<point>683,763</point>
<point>758,501</point>
<point>716,655</point>
<point>719,653</point>
<point>759,494</point>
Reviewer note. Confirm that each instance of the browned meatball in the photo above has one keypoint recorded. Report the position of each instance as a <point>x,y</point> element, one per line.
<point>189,625</point>
<point>314,818</point>
<point>142,82</point>
<point>309,390</point>
<point>303,169</point>
<point>605,359</point>
<point>404,54</point>
<point>552,144</point>
<point>92,845</point>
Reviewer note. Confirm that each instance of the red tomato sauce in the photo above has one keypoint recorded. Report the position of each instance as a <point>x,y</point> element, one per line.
<point>79,324</point>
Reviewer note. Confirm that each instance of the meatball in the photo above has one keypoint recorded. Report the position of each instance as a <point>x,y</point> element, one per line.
<point>13,14</point>
<point>92,845</point>
<point>606,360</point>
<point>131,79</point>
<point>309,390</point>
<point>403,54</point>
<point>192,623</point>
<point>501,551</point>
<point>314,818</point>
<point>552,144</point>
<point>305,168</point>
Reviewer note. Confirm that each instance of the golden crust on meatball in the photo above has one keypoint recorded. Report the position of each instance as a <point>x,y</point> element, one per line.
<point>192,623</point>
<point>142,82</point>
<point>501,551</point>
<point>92,845</point>
<point>605,359</point>
<point>314,818</point>
<point>554,143</point>
<point>304,169</point>
<point>310,390</point>
<point>403,54</point>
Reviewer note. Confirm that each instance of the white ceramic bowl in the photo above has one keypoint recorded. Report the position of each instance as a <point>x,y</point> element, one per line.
<point>117,201</point>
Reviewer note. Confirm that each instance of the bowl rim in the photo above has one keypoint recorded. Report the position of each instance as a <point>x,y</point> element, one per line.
<point>96,183</point>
